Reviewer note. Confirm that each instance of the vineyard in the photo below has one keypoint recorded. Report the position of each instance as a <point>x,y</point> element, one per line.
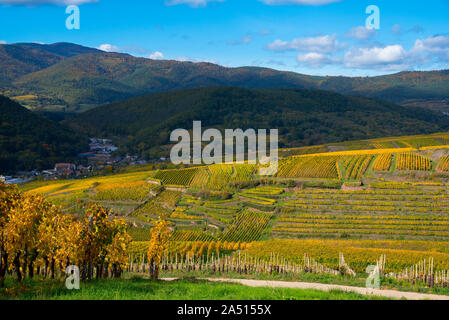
<point>136,191</point>
<point>421,142</point>
<point>213,177</point>
<point>176,177</point>
<point>383,162</point>
<point>200,179</point>
<point>412,161</point>
<point>358,253</point>
<point>443,164</point>
<point>415,262</point>
<point>220,176</point>
<point>327,210</point>
<point>356,166</point>
<point>247,226</point>
<point>162,205</point>
<point>309,167</point>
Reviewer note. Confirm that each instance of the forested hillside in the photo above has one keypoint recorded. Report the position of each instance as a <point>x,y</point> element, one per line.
<point>29,141</point>
<point>303,117</point>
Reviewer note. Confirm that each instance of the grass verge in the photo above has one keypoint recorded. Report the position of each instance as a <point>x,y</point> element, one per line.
<point>139,288</point>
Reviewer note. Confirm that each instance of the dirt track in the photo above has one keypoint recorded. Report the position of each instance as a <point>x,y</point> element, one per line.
<point>327,287</point>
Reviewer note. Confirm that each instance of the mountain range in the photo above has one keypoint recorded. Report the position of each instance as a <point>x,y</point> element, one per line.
<point>72,78</point>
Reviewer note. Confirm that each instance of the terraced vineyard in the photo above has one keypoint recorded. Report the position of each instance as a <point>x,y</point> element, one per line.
<point>247,226</point>
<point>410,212</point>
<point>163,205</point>
<point>176,177</point>
<point>244,172</point>
<point>220,176</point>
<point>355,166</point>
<point>443,164</point>
<point>181,235</point>
<point>412,161</point>
<point>407,142</point>
<point>213,177</point>
<point>309,167</point>
<point>200,179</point>
<point>383,162</point>
<point>364,199</point>
<point>135,191</point>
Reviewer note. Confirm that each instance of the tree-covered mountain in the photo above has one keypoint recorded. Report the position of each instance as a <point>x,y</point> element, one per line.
<point>29,141</point>
<point>67,77</point>
<point>303,117</point>
<point>428,89</point>
<point>23,58</point>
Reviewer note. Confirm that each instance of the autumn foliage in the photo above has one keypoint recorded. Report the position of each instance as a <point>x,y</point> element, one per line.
<point>36,237</point>
<point>157,246</point>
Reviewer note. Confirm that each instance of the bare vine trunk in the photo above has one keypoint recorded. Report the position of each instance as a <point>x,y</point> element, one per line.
<point>17,267</point>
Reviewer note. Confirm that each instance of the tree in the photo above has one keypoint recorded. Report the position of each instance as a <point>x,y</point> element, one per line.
<point>9,197</point>
<point>54,244</point>
<point>34,232</point>
<point>102,241</point>
<point>117,251</point>
<point>156,248</point>
<point>22,229</point>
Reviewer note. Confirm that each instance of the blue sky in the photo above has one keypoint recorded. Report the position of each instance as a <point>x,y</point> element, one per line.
<point>322,37</point>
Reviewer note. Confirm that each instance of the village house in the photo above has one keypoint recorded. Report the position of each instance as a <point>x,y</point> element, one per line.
<point>65,169</point>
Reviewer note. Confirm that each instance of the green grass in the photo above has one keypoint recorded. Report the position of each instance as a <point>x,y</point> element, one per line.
<point>138,288</point>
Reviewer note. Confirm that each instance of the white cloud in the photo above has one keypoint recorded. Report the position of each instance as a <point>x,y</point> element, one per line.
<point>361,33</point>
<point>157,55</point>
<point>392,57</point>
<point>315,59</point>
<point>192,3</point>
<point>322,44</point>
<point>2,42</point>
<point>435,44</point>
<point>299,2</point>
<point>39,2</point>
<point>432,49</point>
<point>108,48</point>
